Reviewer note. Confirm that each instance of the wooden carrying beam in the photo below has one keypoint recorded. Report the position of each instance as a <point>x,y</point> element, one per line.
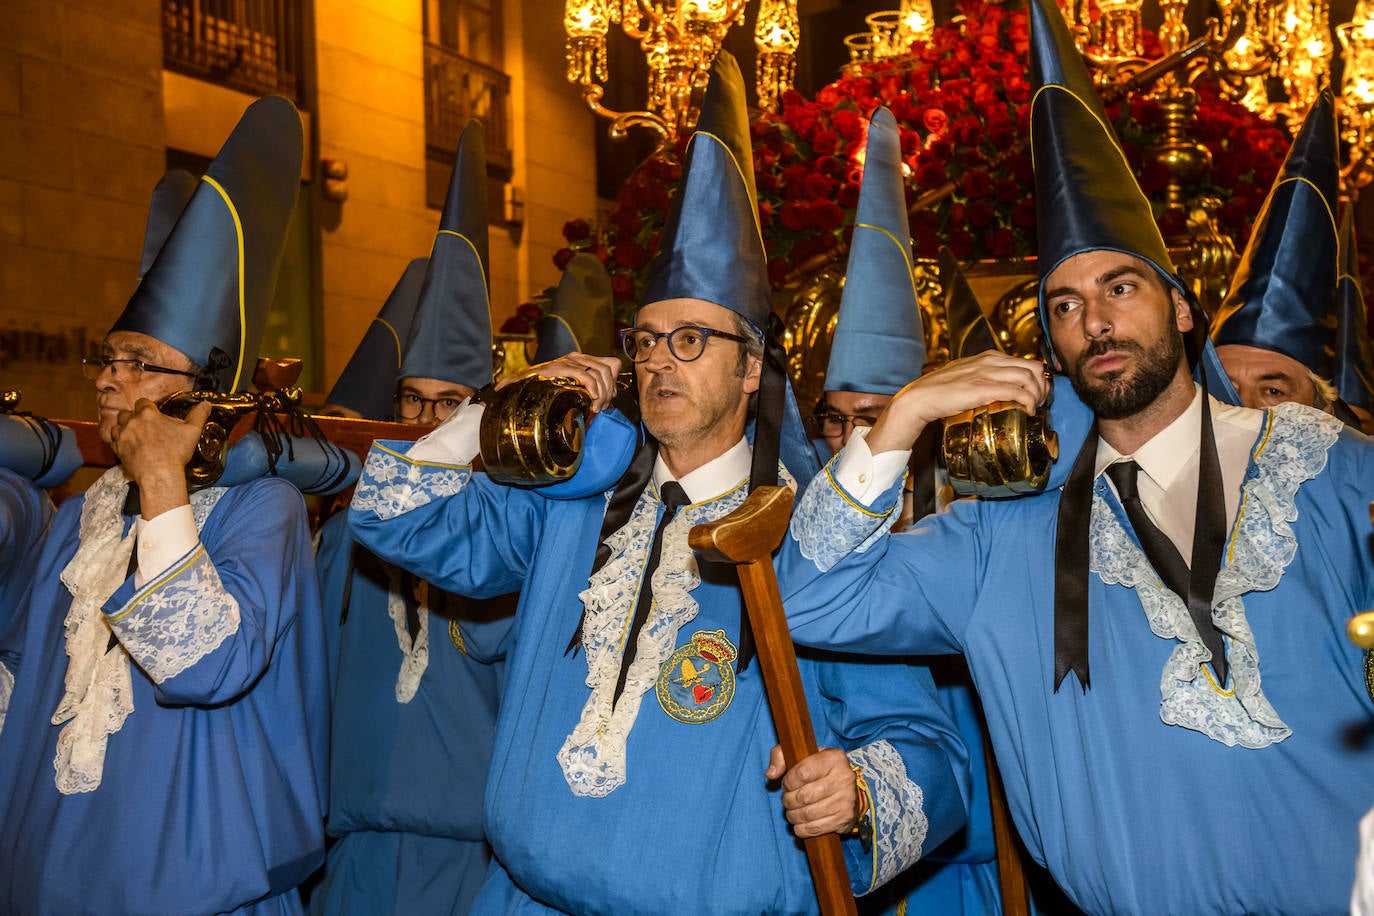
<point>746,539</point>
<point>354,435</point>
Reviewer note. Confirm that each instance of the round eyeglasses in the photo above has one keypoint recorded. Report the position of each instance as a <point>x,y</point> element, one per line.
<point>410,406</point>
<point>832,423</point>
<point>685,343</point>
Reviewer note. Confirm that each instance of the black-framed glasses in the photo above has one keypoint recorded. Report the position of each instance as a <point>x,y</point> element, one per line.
<point>410,406</point>
<point>832,422</point>
<point>130,370</point>
<point>685,343</point>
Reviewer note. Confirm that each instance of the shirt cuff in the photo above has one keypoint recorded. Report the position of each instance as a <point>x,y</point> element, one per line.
<point>864,475</point>
<point>454,441</point>
<point>162,541</point>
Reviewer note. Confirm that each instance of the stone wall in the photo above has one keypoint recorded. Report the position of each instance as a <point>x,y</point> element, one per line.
<point>82,142</point>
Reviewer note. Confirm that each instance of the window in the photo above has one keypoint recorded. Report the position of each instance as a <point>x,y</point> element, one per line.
<point>464,80</point>
<point>249,45</point>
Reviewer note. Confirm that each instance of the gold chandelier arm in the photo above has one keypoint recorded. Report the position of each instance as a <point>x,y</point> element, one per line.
<point>622,121</point>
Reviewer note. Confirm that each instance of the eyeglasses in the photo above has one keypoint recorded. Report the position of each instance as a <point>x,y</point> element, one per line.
<point>685,343</point>
<point>832,423</point>
<point>410,406</point>
<point>129,370</point>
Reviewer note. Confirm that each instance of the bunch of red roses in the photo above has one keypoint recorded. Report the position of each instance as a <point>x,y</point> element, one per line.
<point>962,101</point>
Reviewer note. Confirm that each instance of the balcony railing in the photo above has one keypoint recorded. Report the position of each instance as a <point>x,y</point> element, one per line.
<point>458,89</point>
<point>250,45</point>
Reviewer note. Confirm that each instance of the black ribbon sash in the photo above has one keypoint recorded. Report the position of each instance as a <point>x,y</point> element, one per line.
<point>1072,555</point>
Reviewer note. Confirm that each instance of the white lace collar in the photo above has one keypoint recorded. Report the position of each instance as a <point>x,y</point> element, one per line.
<point>1290,451</point>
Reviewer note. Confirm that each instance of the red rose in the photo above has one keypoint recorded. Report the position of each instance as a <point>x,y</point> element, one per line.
<point>623,287</point>
<point>849,123</point>
<point>765,214</point>
<point>941,149</point>
<point>958,215</point>
<point>911,142</point>
<point>848,196</point>
<point>575,230</point>
<point>766,181</point>
<point>825,142</point>
<point>626,220</point>
<point>1023,214</point>
<point>629,254</point>
<point>976,183</point>
<point>930,176</point>
<point>819,187</point>
<point>1001,243</point>
<point>826,215</point>
<point>561,257</point>
<point>828,165</point>
<point>515,325</point>
<point>794,215</point>
<point>980,213</point>
<point>961,244</point>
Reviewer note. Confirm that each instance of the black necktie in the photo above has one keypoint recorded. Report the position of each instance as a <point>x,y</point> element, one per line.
<point>1166,559</point>
<point>674,498</point>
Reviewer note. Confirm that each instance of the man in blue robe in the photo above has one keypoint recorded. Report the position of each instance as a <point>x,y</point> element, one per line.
<point>1276,331</point>
<point>163,751</point>
<point>416,669</point>
<point>878,346</point>
<point>1232,714</point>
<point>628,772</point>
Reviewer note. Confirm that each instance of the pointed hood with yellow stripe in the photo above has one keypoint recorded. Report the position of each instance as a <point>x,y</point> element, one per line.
<point>207,291</point>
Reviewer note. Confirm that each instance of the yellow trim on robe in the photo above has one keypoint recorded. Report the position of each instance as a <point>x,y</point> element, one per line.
<point>162,580</point>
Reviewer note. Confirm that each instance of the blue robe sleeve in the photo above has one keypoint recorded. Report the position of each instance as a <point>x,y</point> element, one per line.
<point>204,630</point>
<point>478,543</point>
<point>910,593</point>
<point>25,512</point>
<point>887,718</point>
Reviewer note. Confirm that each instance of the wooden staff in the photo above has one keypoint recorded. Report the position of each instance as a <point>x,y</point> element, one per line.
<point>746,539</point>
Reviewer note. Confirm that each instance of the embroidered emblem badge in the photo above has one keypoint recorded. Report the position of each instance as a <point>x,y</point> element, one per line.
<point>1369,673</point>
<point>455,635</point>
<point>697,682</point>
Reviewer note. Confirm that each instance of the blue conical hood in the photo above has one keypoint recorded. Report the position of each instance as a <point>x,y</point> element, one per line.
<point>170,197</point>
<point>1086,198</point>
<point>208,290</point>
<point>579,319</point>
<point>1281,295</point>
<point>711,248</point>
<point>879,342</point>
<point>1354,373</point>
<point>368,382</point>
<point>450,337</point>
<point>969,330</point>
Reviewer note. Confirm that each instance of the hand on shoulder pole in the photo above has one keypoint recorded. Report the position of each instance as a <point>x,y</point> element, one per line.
<point>596,374</point>
<point>154,449</point>
<point>957,386</point>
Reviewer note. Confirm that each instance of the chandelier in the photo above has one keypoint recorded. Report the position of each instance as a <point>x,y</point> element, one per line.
<point>891,32</point>
<point>679,39</point>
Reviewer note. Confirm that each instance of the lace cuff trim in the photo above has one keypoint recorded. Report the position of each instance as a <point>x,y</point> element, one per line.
<point>392,485</point>
<point>414,653</point>
<point>899,818</point>
<point>177,619</point>
<point>1292,450</point>
<point>828,524</point>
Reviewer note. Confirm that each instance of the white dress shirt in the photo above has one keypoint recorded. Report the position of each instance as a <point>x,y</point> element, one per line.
<point>1169,466</point>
